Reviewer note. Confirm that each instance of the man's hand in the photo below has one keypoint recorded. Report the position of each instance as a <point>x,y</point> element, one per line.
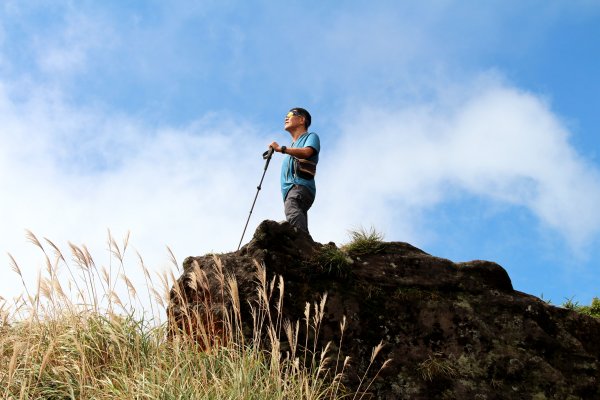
<point>275,147</point>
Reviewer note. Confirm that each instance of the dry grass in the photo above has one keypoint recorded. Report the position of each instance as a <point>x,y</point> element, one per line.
<point>436,366</point>
<point>87,332</point>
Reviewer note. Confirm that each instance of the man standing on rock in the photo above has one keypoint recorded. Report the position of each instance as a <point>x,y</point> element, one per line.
<point>299,167</point>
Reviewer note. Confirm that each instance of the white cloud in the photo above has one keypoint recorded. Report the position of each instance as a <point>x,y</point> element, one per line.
<point>493,141</point>
<point>519,152</point>
<point>71,173</point>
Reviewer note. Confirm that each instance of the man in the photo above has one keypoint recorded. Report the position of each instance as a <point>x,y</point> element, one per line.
<point>298,181</point>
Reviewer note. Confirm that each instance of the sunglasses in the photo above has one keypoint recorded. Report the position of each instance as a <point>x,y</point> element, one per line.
<point>293,114</point>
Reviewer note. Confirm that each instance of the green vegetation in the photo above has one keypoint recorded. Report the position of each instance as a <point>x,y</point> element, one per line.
<point>335,261</point>
<point>339,261</point>
<point>592,310</point>
<point>78,340</point>
<point>364,242</point>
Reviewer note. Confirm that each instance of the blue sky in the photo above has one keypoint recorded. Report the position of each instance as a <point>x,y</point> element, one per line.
<point>468,129</point>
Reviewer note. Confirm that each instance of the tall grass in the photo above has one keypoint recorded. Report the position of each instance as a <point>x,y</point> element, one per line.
<point>85,332</point>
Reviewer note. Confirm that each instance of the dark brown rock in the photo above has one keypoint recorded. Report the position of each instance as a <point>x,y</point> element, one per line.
<point>450,330</point>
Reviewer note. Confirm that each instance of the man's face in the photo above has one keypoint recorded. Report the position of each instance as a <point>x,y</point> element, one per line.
<point>293,120</point>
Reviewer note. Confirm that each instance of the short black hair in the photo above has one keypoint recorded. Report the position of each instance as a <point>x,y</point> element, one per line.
<point>303,113</point>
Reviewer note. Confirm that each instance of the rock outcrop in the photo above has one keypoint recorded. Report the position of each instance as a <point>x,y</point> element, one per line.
<point>448,330</point>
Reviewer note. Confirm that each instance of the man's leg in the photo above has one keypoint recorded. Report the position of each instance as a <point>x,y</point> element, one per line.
<point>299,199</point>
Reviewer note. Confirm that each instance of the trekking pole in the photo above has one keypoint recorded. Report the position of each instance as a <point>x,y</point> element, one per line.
<point>267,156</point>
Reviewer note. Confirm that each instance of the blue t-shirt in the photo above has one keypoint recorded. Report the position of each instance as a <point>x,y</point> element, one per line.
<point>288,178</point>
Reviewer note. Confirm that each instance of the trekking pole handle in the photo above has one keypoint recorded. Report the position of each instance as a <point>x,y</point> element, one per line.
<point>267,156</point>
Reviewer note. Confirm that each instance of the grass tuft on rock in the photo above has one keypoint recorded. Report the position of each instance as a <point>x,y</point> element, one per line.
<point>335,261</point>
<point>364,242</point>
<point>339,261</point>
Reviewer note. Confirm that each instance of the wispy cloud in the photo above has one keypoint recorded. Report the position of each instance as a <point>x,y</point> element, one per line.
<point>493,141</point>
<point>70,49</point>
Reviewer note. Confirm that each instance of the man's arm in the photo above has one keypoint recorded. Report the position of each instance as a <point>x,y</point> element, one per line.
<point>299,152</point>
